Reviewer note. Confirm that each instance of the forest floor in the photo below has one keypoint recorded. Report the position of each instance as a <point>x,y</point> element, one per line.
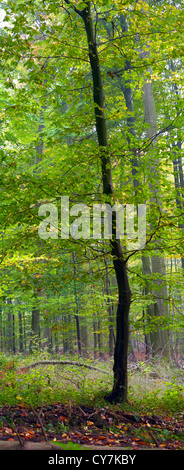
<point>65,404</point>
<point>89,426</point>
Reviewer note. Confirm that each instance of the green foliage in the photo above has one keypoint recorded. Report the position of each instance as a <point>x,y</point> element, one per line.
<point>53,384</point>
<point>68,446</point>
<point>48,148</point>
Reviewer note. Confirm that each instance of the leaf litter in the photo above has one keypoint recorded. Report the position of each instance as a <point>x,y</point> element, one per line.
<point>90,426</point>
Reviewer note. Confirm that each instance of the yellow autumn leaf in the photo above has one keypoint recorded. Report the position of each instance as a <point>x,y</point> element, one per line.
<point>19,397</point>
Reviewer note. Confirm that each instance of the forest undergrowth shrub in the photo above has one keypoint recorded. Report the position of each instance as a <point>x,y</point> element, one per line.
<point>55,383</point>
<point>157,386</point>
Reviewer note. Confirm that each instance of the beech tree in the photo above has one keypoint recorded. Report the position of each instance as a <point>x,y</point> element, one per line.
<point>86,79</point>
<point>121,347</point>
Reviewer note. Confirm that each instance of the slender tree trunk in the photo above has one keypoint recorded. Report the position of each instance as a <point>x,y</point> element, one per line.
<point>96,321</point>
<point>94,335</point>
<point>1,332</point>
<point>99,338</point>
<point>13,339</point>
<point>35,330</point>
<point>47,337</point>
<point>149,310</point>
<point>85,338</point>
<point>25,331</point>
<point>110,311</point>
<point>79,343</point>
<point>56,341</point>
<point>9,331</point>
<point>21,342</point>
<point>119,392</point>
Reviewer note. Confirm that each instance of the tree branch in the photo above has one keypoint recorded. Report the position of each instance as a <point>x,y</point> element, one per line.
<point>72,363</point>
<point>79,12</point>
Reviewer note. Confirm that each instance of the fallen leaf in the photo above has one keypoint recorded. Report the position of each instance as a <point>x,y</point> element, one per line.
<point>103,417</point>
<point>29,434</point>
<point>8,431</point>
<point>101,442</point>
<point>63,418</point>
<point>100,437</point>
<point>143,443</point>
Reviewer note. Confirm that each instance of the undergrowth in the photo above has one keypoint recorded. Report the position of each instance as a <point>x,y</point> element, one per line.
<point>161,393</point>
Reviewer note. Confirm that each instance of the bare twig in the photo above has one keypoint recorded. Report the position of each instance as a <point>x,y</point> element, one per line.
<point>81,411</point>
<point>152,436</point>
<point>40,421</point>
<point>69,408</point>
<point>18,435</point>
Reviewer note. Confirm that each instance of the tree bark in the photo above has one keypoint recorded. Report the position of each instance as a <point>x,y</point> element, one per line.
<point>79,343</point>
<point>35,330</point>
<point>110,310</point>
<point>1,332</point>
<point>21,341</point>
<point>10,327</point>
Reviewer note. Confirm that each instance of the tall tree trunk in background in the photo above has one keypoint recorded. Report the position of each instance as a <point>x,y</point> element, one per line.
<point>85,338</point>
<point>119,392</point>
<point>94,336</point>
<point>13,339</point>
<point>155,265</point>
<point>21,337</point>
<point>159,337</point>
<point>110,310</point>
<point>126,88</point>
<point>178,166</point>
<point>1,331</point>
<point>131,120</point>
<point>10,327</point>
<point>24,330</point>
<point>47,338</point>
<point>35,330</point>
<point>96,320</point>
<point>79,343</point>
